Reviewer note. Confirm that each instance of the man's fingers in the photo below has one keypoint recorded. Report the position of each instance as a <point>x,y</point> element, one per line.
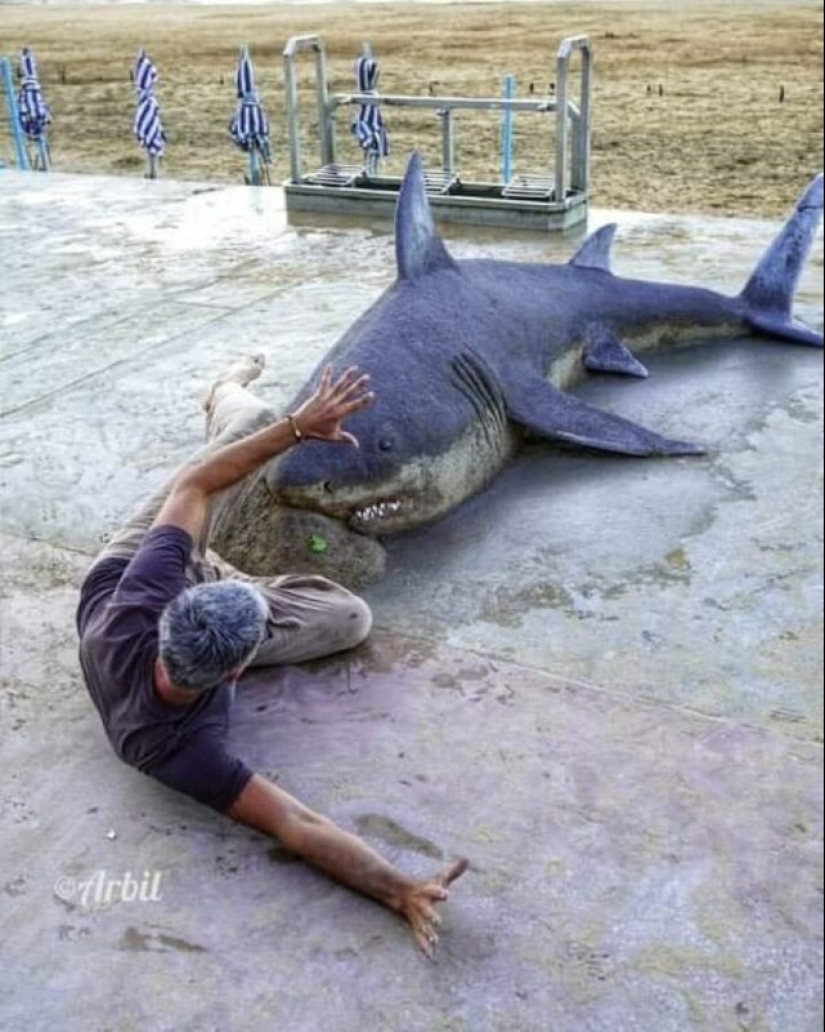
<point>344,409</point>
<point>345,391</point>
<point>425,938</point>
<point>422,939</point>
<point>421,911</point>
<point>326,380</point>
<point>431,914</point>
<point>346,380</point>
<point>361,402</point>
<point>453,871</point>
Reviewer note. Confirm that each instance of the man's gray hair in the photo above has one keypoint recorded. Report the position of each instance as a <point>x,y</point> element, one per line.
<point>209,631</point>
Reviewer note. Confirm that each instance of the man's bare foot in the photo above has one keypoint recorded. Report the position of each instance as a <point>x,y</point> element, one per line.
<point>242,372</point>
<point>419,909</point>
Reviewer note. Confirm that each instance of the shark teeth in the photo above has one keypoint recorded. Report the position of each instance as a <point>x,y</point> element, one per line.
<point>378,511</point>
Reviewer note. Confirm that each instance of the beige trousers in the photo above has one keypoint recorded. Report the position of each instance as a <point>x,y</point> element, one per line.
<point>309,616</point>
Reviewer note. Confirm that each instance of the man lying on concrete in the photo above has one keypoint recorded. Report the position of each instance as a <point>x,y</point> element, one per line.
<point>167,627</point>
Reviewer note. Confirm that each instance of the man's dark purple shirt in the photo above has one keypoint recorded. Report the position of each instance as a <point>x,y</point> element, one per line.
<point>117,620</point>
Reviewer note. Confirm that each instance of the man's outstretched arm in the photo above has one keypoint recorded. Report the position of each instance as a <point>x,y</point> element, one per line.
<point>345,857</point>
<point>319,418</point>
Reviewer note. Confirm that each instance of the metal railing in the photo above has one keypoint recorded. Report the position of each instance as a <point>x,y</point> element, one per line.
<point>572,121</point>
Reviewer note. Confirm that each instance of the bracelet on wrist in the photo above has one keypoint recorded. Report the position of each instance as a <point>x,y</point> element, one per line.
<point>293,426</point>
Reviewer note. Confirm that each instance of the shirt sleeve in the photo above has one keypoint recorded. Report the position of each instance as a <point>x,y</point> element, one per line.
<point>204,770</point>
<point>156,573</point>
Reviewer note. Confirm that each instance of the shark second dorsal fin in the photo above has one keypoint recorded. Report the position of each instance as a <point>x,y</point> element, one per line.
<point>595,252</point>
<point>418,248</point>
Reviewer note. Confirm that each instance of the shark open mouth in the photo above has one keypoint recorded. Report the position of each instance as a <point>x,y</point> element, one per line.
<point>373,515</point>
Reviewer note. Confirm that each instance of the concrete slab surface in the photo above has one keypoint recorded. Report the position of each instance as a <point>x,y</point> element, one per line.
<point>601,680</point>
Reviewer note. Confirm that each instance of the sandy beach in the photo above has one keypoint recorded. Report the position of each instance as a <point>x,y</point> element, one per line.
<point>687,109</point>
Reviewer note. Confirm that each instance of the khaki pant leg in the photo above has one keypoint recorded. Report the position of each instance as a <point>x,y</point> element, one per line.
<point>235,413</point>
<point>310,617</point>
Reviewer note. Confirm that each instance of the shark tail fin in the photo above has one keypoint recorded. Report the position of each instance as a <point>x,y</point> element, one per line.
<point>418,247</point>
<point>770,291</point>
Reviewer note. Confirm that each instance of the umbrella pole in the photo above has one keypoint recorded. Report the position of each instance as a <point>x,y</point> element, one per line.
<point>153,167</point>
<point>254,175</point>
<point>14,115</point>
<point>507,131</point>
<point>43,148</point>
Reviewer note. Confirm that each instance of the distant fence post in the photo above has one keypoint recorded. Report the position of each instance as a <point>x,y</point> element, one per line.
<point>14,117</point>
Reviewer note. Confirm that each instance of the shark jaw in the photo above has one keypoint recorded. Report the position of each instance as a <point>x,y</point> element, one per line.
<point>418,492</point>
<point>373,514</point>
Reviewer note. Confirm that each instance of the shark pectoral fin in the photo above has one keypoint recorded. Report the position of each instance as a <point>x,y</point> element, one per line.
<point>549,413</point>
<point>604,353</point>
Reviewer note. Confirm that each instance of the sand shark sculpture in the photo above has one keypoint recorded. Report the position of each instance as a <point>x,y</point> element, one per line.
<point>468,358</point>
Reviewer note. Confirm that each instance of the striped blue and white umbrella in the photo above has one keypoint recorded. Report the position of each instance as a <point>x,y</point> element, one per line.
<point>34,112</point>
<point>249,127</point>
<point>147,128</point>
<point>368,126</point>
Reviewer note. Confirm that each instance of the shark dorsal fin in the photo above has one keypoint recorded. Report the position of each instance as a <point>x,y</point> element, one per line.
<point>594,253</point>
<point>418,248</point>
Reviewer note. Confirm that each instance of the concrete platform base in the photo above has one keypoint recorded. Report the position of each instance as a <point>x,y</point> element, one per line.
<point>601,680</point>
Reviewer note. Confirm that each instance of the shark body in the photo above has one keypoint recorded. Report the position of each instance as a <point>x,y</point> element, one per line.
<point>469,358</point>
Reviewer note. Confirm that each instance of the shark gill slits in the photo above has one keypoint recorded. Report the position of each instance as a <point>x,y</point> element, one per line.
<point>477,382</point>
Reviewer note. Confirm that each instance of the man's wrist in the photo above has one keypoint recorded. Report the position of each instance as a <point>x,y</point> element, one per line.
<point>297,433</point>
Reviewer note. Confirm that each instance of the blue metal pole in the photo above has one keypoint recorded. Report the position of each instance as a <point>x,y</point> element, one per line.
<point>507,131</point>
<point>45,158</point>
<point>14,118</point>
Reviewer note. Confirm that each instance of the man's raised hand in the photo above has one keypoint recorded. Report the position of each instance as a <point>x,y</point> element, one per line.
<point>321,416</point>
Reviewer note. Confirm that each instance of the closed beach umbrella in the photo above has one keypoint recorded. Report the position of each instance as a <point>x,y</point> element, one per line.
<point>368,126</point>
<point>249,127</point>
<point>147,128</point>
<point>35,115</point>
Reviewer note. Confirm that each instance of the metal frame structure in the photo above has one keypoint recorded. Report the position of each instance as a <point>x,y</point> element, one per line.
<point>556,199</point>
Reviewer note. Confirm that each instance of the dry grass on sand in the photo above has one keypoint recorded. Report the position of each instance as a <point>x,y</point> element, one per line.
<point>716,140</point>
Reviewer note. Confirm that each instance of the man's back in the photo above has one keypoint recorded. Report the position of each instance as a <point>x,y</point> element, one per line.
<point>117,620</point>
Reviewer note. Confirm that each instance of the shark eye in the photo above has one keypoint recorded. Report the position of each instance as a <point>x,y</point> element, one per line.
<point>385,444</point>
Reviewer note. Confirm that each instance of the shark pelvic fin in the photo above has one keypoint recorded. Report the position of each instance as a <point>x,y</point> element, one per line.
<point>546,412</point>
<point>605,353</point>
<point>418,248</point>
<point>770,291</point>
<point>595,252</point>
